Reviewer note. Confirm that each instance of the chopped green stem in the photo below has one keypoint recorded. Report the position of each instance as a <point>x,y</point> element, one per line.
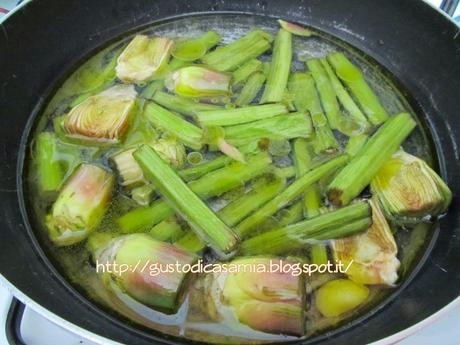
<point>195,172</point>
<point>175,64</point>
<point>326,92</point>
<point>244,71</point>
<point>325,140</point>
<point>263,190</point>
<point>152,88</point>
<point>303,163</point>
<point>318,254</point>
<point>352,180</point>
<point>297,235</point>
<point>143,218</point>
<point>185,106</point>
<point>50,172</point>
<point>214,183</point>
<point>357,226</point>
<point>232,55</point>
<point>292,214</point>
<point>186,203</point>
<point>168,230</point>
<point>354,79</point>
<point>286,172</point>
<point>282,127</point>
<point>183,130</point>
<point>344,97</point>
<point>143,195</point>
<point>191,242</point>
<point>232,176</point>
<point>355,144</point>
<point>280,68</point>
<point>289,194</point>
<point>297,86</point>
<point>128,170</point>
<point>196,48</point>
<point>250,89</point>
<point>227,117</point>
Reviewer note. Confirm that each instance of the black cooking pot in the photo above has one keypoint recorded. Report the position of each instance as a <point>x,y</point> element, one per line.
<point>45,39</point>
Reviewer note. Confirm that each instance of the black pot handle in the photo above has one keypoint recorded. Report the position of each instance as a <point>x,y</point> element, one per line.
<point>449,6</point>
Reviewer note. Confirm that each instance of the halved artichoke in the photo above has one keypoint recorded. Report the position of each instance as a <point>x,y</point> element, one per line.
<point>80,206</point>
<point>197,81</point>
<point>143,58</point>
<point>270,302</point>
<point>409,190</point>
<point>102,118</point>
<point>370,256</point>
<point>147,269</point>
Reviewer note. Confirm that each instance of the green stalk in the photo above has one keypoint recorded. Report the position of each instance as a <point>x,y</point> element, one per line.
<point>354,79</point>
<point>143,195</point>
<point>193,49</point>
<point>289,194</point>
<point>212,184</point>
<point>168,230</point>
<point>292,214</point>
<point>264,189</point>
<point>49,170</point>
<point>189,134</point>
<point>344,97</point>
<point>297,86</point>
<point>357,226</point>
<point>252,52</point>
<point>185,106</point>
<point>232,176</point>
<point>355,144</point>
<point>190,242</point>
<point>297,235</point>
<point>244,71</point>
<point>303,164</point>
<point>250,89</point>
<point>286,172</point>
<point>325,140</point>
<point>282,127</point>
<point>326,93</point>
<point>143,218</point>
<point>280,67</point>
<point>232,55</point>
<point>352,180</point>
<point>149,91</point>
<point>318,254</point>
<point>175,64</point>
<point>197,171</point>
<point>186,203</point>
<point>227,117</point>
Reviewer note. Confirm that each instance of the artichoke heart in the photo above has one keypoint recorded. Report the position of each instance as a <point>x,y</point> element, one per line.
<point>102,118</point>
<point>143,58</point>
<point>264,300</point>
<point>196,81</point>
<point>151,276</point>
<point>409,190</point>
<point>80,206</point>
<point>370,256</point>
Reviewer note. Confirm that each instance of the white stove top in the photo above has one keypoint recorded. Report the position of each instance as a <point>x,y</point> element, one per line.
<point>445,331</point>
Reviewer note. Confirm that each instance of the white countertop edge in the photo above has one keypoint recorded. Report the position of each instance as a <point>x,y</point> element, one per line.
<point>54,318</point>
<point>392,339</point>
